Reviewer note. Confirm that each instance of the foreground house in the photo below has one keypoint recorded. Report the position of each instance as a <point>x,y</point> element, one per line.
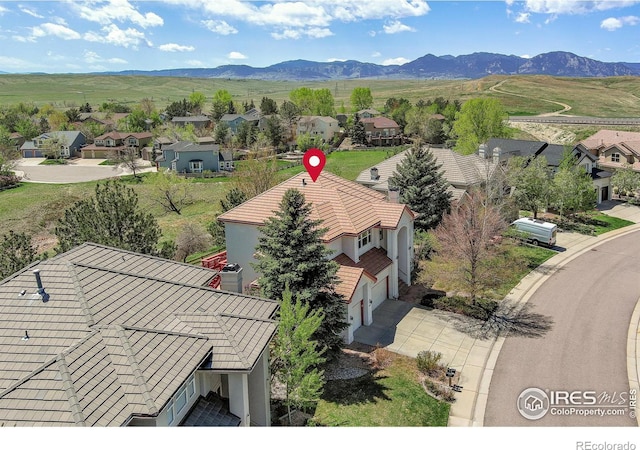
<point>104,337</point>
<point>369,237</point>
<point>70,144</point>
<point>462,172</point>
<point>500,150</point>
<point>614,149</point>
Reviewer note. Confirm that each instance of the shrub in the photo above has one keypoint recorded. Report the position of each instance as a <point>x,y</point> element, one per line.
<point>8,181</point>
<point>439,391</point>
<point>428,362</point>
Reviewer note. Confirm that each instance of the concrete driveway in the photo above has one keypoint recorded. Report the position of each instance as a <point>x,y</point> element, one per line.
<point>76,171</point>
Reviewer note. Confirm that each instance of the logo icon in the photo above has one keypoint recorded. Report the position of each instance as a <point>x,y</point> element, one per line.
<point>533,403</point>
<point>314,160</point>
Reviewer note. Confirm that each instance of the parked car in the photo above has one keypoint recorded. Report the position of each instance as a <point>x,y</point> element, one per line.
<point>537,231</point>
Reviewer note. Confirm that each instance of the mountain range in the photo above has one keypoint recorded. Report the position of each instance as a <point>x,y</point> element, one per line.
<point>476,65</point>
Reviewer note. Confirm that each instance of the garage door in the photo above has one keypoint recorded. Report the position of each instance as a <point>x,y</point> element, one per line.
<point>379,292</point>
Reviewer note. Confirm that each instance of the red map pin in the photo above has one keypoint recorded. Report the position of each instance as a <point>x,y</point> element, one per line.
<point>314,161</point>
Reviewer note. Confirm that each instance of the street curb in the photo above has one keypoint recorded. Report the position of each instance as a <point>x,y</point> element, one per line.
<point>537,278</point>
<point>633,353</point>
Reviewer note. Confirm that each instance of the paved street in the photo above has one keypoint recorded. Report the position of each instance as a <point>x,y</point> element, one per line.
<point>588,305</point>
<point>78,170</point>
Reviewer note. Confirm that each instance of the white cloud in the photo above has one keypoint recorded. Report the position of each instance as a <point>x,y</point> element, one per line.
<point>523,17</point>
<point>376,54</point>
<point>108,11</point>
<point>30,12</point>
<point>297,33</point>
<point>111,34</point>
<point>236,55</point>
<point>49,29</point>
<point>91,57</point>
<point>525,56</point>
<point>3,10</point>
<point>195,63</point>
<point>176,48</point>
<point>395,61</point>
<point>219,27</point>
<point>372,33</point>
<point>396,27</point>
<point>7,62</point>
<point>573,6</point>
<point>336,60</point>
<point>613,23</point>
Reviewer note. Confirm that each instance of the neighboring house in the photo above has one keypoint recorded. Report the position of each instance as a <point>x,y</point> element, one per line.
<point>159,143</point>
<point>70,144</point>
<point>199,122</point>
<point>234,120</point>
<point>382,131</point>
<point>108,120</point>
<point>369,237</point>
<point>500,150</point>
<point>17,140</point>
<point>226,161</point>
<point>189,157</point>
<point>368,113</point>
<point>323,126</point>
<point>461,171</point>
<point>99,336</point>
<point>115,142</point>
<point>614,149</point>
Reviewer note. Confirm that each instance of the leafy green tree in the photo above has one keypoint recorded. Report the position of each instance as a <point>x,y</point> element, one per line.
<point>397,109</point>
<point>531,182</point>
<point>296,355</point>
<point>573,190</point>
<point>479,120</point>
<point>422,186</point>
<point>197,101</point>
<point>178,109</point>
<point>361,98</point>
<point>290,113</point>
<point>16,252</point>
<point>246,134</point>
<point>357,133</point>
<point>8,152</point>
<point>306,141</point>
<point>221,100</point>
<point>268,106</point>
<point>72,114</point>
<point>222,133</point>
<point>134,122</point>
<point>27,128</point>
<point>111,217</point>
<point>323,102</point>
<point>235,197</point>
<point>626,180</point>
<point>290,253</point>
<point>303,98</point>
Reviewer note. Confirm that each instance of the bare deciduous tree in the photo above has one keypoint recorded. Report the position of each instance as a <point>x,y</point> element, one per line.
<point>258,173</point>
<point>172,192</point>
<point>193,238</point>
<point>127,158</point>
<point>466,245</point>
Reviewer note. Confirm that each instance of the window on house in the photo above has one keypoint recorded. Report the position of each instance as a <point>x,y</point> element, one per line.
<point>181,399</point>
<point>195,166</point>
<point>191,387</point>
<point>132,141</point>
<point>170,415</point>
<point>381,236</point>
<point>615,157</point>
<point>364,238</point>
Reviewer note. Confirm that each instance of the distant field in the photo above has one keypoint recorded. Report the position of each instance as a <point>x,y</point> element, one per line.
<point>598,97</point>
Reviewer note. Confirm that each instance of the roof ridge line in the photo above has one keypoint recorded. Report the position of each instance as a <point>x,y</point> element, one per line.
<point>172,333</point>
<point>137,372</point>
<point>70,391</point>
<point>84,304</point>
<point>27,377</point>
<point>232,340</point>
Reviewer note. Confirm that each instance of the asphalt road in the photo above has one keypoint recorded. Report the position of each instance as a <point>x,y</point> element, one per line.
<point>588,304</point>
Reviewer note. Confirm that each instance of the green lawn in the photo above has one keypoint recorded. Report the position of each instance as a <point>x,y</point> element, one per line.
<point>391,397</point>
<point>613,223</point>
<point>527,258</point>
<point>53,162</point>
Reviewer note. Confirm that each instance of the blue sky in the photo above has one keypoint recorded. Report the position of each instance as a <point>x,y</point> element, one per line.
<point>63,36</point>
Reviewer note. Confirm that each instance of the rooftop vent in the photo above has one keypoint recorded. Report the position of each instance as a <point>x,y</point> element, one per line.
<point>231,268</point>
<point>41,294</point>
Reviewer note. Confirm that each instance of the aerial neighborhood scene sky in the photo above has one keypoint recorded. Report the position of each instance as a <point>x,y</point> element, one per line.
<point>69,36</point>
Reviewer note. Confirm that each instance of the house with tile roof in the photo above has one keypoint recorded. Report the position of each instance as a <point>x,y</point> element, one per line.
<point>369,237</point>
<point>382,131</point>
<point>99,336</point>
<point>500,150</point>
<point>461,171</point>
<point>614,149</point>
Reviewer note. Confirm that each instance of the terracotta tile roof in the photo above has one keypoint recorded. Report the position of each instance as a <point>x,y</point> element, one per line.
<point>349,279</point>
<point>609,137</point>
<point>117,336</point>
<point>373,261</point>
<point>346,207</point>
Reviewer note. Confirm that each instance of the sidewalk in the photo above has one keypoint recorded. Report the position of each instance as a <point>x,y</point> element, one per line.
<point>476,373</point>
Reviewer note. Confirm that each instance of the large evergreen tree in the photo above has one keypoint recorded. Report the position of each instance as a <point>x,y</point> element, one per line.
<point>422,186</point>
<point>112,217</point>
<point>16,252</point>
<point>290,253</point>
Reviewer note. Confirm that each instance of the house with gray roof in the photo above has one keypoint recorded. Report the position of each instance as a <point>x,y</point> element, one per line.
<point>461,171</point>
<point>500,150</point>
<point>234,120</point>
<point>198,122</point>
<point>99,336</point>
<point>70,143</point>
<point>190,157</point>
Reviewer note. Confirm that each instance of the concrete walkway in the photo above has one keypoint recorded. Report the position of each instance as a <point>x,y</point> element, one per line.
<point>467,345</point>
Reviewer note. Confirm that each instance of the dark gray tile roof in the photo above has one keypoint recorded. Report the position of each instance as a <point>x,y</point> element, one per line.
<point>118,335</point>
<point>188,146</point>
<point>210,411</point>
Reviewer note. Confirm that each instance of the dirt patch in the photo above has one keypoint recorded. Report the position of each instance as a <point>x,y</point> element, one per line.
<point>545,132</point>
